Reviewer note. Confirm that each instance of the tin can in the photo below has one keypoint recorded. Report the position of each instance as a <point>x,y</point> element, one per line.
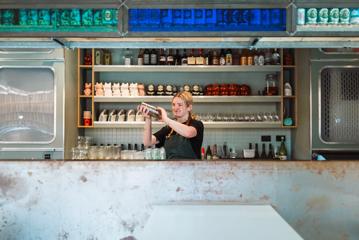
<point>354,16</point>
<point>300,16</point>
<point>312,15</point>
<point>344,15</point>
<point>323,16</point>
<point>334,16</point>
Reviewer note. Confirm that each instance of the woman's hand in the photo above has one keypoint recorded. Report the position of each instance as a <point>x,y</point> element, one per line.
<point>144,110</point>
<point>163,114</point>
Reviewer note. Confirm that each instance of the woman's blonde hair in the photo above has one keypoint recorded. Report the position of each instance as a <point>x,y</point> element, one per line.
<point>188,100</point>
<point>185,96</point>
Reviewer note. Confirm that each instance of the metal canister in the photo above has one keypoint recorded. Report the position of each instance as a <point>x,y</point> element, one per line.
<point>334,16</point>
<point>300,16</point>
<point>312,15</point>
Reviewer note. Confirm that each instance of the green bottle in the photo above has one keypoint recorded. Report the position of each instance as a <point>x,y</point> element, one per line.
<point>282,153</point>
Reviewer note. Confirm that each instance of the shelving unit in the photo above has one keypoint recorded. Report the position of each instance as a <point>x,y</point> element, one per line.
<point>92,74</point>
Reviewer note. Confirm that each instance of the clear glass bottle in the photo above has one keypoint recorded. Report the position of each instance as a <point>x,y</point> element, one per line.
<point>146,57</point>
<point>208,153</point>
<point>140,57</point>
<point>128,57</point>
<point>282,152</point>
<point>153,57</point>
<point>229,60</point>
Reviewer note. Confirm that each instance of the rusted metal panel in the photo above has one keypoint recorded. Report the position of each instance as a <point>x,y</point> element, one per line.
<point>113,200</point>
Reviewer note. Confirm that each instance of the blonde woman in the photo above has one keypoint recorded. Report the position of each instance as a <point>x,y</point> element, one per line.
<point>182,136</point>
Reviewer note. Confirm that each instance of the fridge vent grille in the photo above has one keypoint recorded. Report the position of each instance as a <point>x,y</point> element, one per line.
<point>339,105</point>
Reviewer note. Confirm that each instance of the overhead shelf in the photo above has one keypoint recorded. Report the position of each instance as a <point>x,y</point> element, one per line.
<point>197,99</point>
<point>212,125</point>
<point>196,68</point>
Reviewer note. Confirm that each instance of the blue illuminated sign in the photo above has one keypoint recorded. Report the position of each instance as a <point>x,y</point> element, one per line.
<point>206,20</point>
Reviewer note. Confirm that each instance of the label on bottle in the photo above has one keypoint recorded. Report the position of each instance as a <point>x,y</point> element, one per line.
<point>146,59</point>
<point>191,60</point>
<point>300,16</point>
<point>222,61</point>
<point>334,16</point>
<point>127,61</point>
<point>153,59</point>
<point>282,157</point>
<point>200,60</point>
<point>228,59</point>
<point>140,61</point>
<point>287,89</point>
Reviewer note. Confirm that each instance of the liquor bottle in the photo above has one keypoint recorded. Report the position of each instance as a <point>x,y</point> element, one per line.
<point>162,58</point>
<point>140,57</point>
<point>250,146</point>
<point>170,59</point>
<point>214,152</point>
<point>275,57</point>
<point>208,58</point>
<point>184,57</point>
<point>270,153</point>
<point>282,153</point>
<point>200,58</point>
<point>256,152</point>
<point>215,59</point>
<point>146,57</point>
<point>208,153</point>
<point>177,58</point>
<point>142,147</point>
<point>203,154</point>
<point>128,57</point>
<point>229,57</point>
<point>191,60</point>
<point>136,147</point>
<point>153,57</point>
<point>129,146</point>
<point>222,58</point>
<point>263,153</point>
<point>225,150</point>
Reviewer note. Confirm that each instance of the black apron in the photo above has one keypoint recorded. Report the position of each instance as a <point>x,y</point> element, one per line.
<point>179,147</point>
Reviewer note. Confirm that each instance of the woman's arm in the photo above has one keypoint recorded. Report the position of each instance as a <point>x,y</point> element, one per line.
<point>180,128</point>
<point>148,138</point>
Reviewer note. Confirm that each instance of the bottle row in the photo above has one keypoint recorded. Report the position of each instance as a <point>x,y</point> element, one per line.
<point>58,17</point>
<point>332,16</point>
<point>223,89</point>
<point>214,152</point>
<point>190,57</point>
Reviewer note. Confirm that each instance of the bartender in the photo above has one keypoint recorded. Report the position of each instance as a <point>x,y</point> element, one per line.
<point>182,136</point>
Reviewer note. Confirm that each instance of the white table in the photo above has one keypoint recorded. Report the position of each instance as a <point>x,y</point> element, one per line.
<point>217,222</point>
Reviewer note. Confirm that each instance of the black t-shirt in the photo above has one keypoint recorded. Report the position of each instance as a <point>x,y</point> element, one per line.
<point>196,142</point>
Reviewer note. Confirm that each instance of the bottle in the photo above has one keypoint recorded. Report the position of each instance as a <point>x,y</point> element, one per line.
<point>203,154</point>
<point>225,150</point>
<point>184,57</point>
<point>129,146</point>
<point>275,57</point>
<point>140,57</point>
<point>243,57</point>
<point>222,58</point>
<point>287,89</point>
<point>256,152</point>
<point>191,60</point>
<point>229,57</point>
<point>146,57</point>
<point>263,153</point>
<point>215,59</point>
<point>214,152</point>
<point>250,58</point>
<point>162,58</point>
<point>208,153</point>
<point>128,57</point>
<point>136,147</point>
<point>282,153</point>
<point>170,59</point>
<point>153,57</point>
<point>200,58</point>
<point>177,58</point>
<point>207,58</point>
<point>270,153</point>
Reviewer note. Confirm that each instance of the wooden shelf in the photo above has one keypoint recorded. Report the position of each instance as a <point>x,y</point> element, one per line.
<point>212,125</point>
<point>85,66</point>
<point>199,68</point>
<point>196,99</point>
<point>84,96</point>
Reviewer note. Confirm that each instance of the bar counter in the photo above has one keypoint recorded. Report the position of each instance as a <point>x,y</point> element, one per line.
<point>53,199</point>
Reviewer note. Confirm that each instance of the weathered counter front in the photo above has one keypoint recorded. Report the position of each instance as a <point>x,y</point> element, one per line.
<point>112,200</point>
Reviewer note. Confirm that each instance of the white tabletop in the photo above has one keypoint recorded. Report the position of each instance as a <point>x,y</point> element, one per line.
<point>217,222</point>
